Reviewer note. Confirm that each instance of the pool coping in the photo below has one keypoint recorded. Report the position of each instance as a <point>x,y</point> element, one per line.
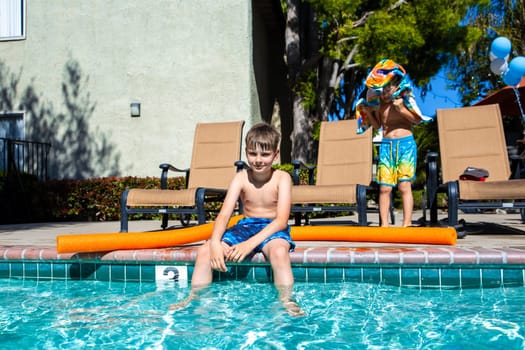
<point>418,266</point>
<point>306,255</point>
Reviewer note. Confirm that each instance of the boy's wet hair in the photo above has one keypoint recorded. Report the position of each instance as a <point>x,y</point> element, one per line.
<point>396,80</point>
<point>264,136</point>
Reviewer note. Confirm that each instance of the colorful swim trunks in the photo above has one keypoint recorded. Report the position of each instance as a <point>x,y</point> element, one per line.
<point>249,227</point>
<point>397,161</point>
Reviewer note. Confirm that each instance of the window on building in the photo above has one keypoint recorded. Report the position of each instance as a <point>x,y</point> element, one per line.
<point>12,19</point>
<point>11,128</point>
<point>12,125</point>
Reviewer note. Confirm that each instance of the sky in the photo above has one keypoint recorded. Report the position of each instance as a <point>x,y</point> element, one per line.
<point>440,97</point>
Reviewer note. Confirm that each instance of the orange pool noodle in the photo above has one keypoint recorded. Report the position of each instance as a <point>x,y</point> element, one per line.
<point>100,242</point>
<point>104,242</point>
<point>412,235</point>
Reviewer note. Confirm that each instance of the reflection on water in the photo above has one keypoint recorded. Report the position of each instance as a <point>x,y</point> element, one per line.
<point>240,315</point>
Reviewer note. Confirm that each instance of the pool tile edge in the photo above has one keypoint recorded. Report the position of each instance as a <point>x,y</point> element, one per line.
<point>315,256</point>
<point>422,267</point>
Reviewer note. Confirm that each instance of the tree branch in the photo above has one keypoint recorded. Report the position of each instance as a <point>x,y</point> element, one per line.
<point>398,3</point>
<point>367,14</point>
<point>362,20</point>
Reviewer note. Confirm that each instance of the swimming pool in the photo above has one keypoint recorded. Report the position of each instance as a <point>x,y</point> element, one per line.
<point>246,315</point>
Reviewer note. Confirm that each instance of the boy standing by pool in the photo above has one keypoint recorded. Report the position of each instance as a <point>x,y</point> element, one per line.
<point>265,194</point>
<point>391,107</point>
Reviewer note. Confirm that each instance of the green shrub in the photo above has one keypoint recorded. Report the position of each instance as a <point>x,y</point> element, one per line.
<point>28,200</point>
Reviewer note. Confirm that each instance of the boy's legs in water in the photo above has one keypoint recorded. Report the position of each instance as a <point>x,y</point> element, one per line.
<point>201,277</point>
<point>277,251</point>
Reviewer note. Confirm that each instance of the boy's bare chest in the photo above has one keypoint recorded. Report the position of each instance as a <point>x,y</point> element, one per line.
<point>264,192</point>
<point>264,195</point>
<point>389,115</point>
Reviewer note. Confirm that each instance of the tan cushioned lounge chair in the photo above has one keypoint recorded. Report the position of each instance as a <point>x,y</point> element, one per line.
<point>472,137</point>
<point>216,148</point>
<point>343,172</point>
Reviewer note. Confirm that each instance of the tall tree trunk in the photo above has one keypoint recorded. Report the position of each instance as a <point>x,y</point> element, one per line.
<point>325,88</point>
<point>300,137</point>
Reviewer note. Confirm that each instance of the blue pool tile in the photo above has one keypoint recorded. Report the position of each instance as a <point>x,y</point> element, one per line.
<point>334,274</point>
<point>147,273</point>
<point>491,278</point>
<point>190,272</point>
<point>243,272</point>
<point>16,270</point>
<point>391,276</point>
<point>101,272</point>
<point>315,274</point>
<point>353,274</point>
<point>132,273</point>
<point>430,278</point>
<point>470,278</point>
<point>450,277</point>
<point>372,275</point>
<point>89,271</point>
<point>118,272</point>
<point>75,271</point>
<point>411,277</point>
<point>235,272</point>
<point>45,271</point>
<point>5,269</point>
<point>83,271</point>
<point>513,277</point>
<point>261,274</point>
<point>30,270</point>
<point>60,271</point>
<point>299,273</point>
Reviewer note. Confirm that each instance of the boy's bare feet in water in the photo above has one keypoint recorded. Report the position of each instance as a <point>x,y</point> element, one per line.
<point>293,309</point>
<point>291,306</point>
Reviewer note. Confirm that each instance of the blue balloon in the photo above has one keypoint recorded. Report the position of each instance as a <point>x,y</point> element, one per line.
<point>517,65</point>
<point>510,78</point>
<point>500,47</point>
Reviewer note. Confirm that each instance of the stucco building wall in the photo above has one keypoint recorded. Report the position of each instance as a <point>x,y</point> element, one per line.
<point>84,62</point>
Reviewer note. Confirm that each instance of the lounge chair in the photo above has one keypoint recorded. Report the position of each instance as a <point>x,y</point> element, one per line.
<point>216,148</point>
<point>471,137</point>
<point>341,177</point>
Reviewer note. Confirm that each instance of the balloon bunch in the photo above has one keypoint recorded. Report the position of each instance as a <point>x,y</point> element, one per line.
<point>512,72</point>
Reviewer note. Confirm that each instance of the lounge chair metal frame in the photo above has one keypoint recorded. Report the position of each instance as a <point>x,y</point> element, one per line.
<point>224,139</point>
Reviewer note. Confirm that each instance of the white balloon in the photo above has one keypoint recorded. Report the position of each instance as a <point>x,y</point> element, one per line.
<point>492,57</point>
<point>499,66</point>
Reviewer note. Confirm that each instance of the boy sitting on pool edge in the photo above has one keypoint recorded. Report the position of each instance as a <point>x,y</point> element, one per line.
<point>265,194</point>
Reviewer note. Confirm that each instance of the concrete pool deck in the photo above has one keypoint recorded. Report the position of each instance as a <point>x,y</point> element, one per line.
<point>488,230</point>
<point>492,254</point>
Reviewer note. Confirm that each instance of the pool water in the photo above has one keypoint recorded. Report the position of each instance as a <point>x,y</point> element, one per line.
<point>241,315</point>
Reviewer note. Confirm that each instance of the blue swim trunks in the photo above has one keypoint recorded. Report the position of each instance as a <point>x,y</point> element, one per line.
<point>249,227</point>
<point>397,161</point>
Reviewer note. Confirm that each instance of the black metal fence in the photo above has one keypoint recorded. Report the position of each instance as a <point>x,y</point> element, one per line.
<point>24,157</point>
